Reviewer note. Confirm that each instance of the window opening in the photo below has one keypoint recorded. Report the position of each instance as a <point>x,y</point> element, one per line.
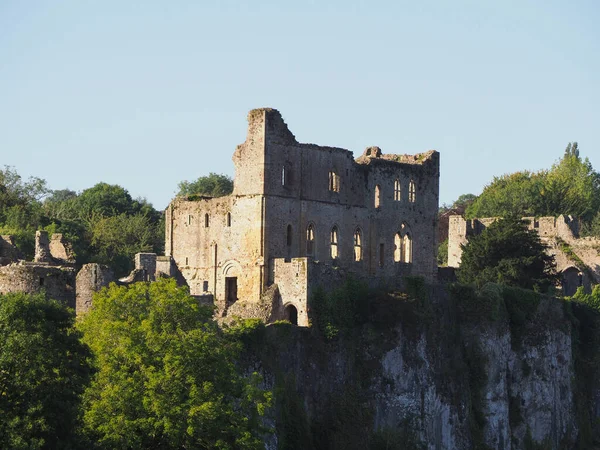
<point>205,286</point>
<point>334,182</point>
<point>310,240</point>
<point>381,255</point>
<point>334,243</point>
<point>412,192</point>
<point>189,219</point>
<point>228,219</point>
<point>397,248</point>
<point>407,248</point>
<point>397,191</point>
<point>206,220</point>
<point>377,196</point>
<point>357,245</point>
<point>283,181</point>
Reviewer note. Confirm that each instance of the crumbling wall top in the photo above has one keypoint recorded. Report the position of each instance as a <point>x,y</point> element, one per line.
<point>375,154</point>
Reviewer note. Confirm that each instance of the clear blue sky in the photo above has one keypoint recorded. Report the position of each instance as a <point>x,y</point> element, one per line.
<point>148,93</point>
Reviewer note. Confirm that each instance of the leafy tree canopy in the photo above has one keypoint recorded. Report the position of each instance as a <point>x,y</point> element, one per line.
<point>213,185</point>
<point>507,252</point>
<point>43,371</point>
<point>166,375</point>
<point>571,186</point>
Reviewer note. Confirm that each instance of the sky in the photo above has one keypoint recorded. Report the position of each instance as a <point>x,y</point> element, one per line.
<point>146,94</point>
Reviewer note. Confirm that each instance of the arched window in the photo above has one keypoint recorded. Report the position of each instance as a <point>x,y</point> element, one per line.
<point>310,240</point>
<point>334,182</point>
<point>357,245</point>
<point>412,192</point>
<point>397,247</point>
<point>206,220</point>
<point>407,248</point>
<point>228,219</point>
<point>397,191</point>
<point>377,196</point>
<point>334,243</point>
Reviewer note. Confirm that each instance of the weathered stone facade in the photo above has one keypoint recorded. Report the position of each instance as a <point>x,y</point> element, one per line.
<point>52,270</point>
<point>580,268</point>
<point>302,214</point>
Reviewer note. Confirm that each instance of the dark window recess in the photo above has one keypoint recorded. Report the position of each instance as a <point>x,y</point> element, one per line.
<point>41,281</point>
<point>292,314</point>
<point>231,289</point>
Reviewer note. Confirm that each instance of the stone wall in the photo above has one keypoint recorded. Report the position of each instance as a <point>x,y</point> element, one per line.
<point>554,232</point>
<point>90,279</point>
<point>57,282</point>
<point>281,189</point>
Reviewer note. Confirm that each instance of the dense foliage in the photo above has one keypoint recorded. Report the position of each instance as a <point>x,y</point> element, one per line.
<point>103,223</point>
<point>570,186</point>
<point>44,368</point>
<point>166,375</point>
<point>212,185</point>
<point>507,252</point>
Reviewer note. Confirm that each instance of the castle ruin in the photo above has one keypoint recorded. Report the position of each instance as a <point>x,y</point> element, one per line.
<point>302,216</point>
<point>577,259</point>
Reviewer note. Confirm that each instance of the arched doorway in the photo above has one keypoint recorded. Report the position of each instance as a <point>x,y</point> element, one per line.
<point>291,314</point>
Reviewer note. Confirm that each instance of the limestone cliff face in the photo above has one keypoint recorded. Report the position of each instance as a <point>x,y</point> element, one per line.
<point>504,378</point>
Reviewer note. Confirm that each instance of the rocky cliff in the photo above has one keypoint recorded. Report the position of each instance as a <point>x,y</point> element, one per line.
<point>436,368</point>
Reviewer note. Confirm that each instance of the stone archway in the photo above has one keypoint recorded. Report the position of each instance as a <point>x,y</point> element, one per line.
<point>570,279</point>
<point>291,314</point>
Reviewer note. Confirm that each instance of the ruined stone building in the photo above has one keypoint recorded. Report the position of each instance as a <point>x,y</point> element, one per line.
<point>300,216</point>
<point>577,259</point>
<point>52,270</point>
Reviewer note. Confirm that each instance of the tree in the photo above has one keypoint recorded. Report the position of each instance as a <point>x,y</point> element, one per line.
<point>43,371</point>
<point>115,240</point>
<point>166,375</point>
<point>213,185</point>
<point>507,252</point>
<point>105,200</point>
<point>463,201</point>
<point>571,186</point>
<point>516,194</point>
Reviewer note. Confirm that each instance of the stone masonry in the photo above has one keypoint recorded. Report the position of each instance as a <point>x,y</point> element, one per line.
<point>301,215</point>
<point>583,269</point>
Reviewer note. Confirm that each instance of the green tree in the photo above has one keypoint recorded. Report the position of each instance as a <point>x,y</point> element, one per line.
<point>507,252</point>
<point>516,194</point>
<point>115,240</point>
<point>570,186</point>
<point>213,185</point>
<point>166,375</point>
<point>44,368</point>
